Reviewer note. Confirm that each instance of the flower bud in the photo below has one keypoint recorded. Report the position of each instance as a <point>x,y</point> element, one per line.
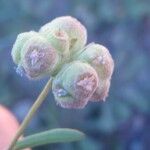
<point>20,41</point>
<point>39,57</point>
<point>60,41</point>
<point>74,85</point>
<point>101,92</point>
<point>99,57</point>
<point>76,31</point>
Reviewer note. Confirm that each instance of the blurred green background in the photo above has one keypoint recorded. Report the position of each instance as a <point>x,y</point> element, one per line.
<point>123,121</point>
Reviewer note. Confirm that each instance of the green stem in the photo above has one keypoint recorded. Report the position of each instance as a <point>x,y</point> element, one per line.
<point>30,114</point>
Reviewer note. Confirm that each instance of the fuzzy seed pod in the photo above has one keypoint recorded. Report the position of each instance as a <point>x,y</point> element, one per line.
<point>60,41</point>
<point>20,41</point>
<point>39,57</point>
<point>76,31</point>
<point>101,92</point>
<point>74,85</point>
<point>99,57</point>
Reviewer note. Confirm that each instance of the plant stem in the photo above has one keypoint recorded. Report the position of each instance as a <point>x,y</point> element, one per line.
<point>30,114</point>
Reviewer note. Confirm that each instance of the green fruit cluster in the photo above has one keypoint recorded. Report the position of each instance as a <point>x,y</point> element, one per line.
<point>81,73</point>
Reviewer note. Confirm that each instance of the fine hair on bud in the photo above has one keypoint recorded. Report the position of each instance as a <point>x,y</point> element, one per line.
<point>101,92</point>
<point>76,31</point>
<point>60,41</point>
<point>99,57</point>
<point>20,41</point>
<point>38,58</point>
<point>74,85</point>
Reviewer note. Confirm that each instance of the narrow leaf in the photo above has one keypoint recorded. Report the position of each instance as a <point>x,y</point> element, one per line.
<point>50,136</point>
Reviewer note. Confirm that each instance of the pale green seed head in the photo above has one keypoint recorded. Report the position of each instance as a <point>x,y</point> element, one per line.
<point>20,41</point>
<point>81,74</point>
<point>76,31</point>
<point>74,85</point>
<point>99,57</point>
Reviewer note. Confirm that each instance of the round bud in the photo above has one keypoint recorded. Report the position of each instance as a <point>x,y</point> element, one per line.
<point>76,31</point>
<point>101,92</point>
<point>60,41</point>
<point>39,57</point>
<point>74,85</point>
<point>20,41</point>
<point>99,57</point>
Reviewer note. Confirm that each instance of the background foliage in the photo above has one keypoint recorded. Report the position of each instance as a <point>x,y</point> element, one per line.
<point>123,121</point>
